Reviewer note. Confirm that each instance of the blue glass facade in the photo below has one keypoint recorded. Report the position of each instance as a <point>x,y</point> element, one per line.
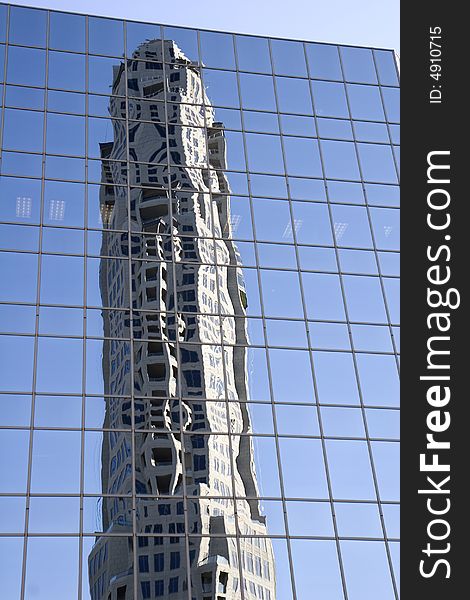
<point>199,314</point>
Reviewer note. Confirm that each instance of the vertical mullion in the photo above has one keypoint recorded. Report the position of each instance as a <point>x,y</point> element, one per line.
<point>36,333</point>
<point>132,431</point>
<point>179,395</point>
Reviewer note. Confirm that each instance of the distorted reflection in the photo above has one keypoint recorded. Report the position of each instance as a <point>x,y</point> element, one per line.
<point>181,477</point>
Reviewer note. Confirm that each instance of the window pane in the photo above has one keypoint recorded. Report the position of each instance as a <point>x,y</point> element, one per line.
<point>365,102</point>
<point>288,58</point>
<point>22,130</point>
<point>377,163</point>
<point>67,32</point>
<point>105,36</point>
<point>329,99</point>
<point>358,65</point>
<point>323,296</point>
<point>302,157</point>
<point>28,26</point>
<point>264,153</point>
<point>293,95</point>
<point>323,61</point>
<point>339,159</point>
<point>387,70</point>
<point>303,468</point>
<point>378,583</point>
<point>332,389</point>
<point>257,92</point>
<point>26,66</point>
<point>217,50</point>
<point>253,54</point>
<point>66,71</point>
<point>350,470</point>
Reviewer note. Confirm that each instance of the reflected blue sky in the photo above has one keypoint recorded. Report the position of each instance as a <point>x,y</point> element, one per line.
<point>243,270</point>
<point>363,22</point>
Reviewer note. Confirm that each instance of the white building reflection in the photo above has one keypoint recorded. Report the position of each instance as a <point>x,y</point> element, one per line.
<point>178,447</point>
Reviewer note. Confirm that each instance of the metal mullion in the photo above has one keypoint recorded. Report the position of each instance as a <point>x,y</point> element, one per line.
<point>132,429</point>
<point>84,341</point>
<point>36,333</point>
<point>221,329</point>
<point>4,86</point>
<point>175,313</point>
<point>354,358</point>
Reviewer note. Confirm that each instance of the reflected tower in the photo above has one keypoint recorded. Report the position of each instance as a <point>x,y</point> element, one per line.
<point>185,364</point>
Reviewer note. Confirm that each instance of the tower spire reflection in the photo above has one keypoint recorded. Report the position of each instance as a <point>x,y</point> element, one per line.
<point>185,366</point>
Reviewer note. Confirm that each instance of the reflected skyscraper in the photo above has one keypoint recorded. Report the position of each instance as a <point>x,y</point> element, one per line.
<point>187,341</point>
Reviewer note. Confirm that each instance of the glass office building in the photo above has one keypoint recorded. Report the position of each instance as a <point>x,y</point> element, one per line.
<point>199,314</point>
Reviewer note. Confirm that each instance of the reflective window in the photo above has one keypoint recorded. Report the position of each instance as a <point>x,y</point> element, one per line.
<point>288,58</point>
<point>329,99</point>
<point>257,92</point>
<point>323,61</point>
<point>217,50</point>
<point>251,184</point>
<point>105,36</point>
<point>253,54</point>
<point>358,64</point>
<point>67,32</point>
<point>26,66</point>
<point>293,95</point>
<point>28,26</point>
<point>66,71</point>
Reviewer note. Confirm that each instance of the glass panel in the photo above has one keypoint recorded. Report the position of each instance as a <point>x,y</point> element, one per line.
<point>383,423</point>
<point>350,470</point>
<point>27,26</point>
<point>358,64</point>
<point>323,61</point>
<point>14,445</point>
<point>217,50</point>
<point>358,520</point>
<point>377,163</point>
<point>342,422</point>
<point>316,567</point>
<point>26,66</point>
<point>331,389</point>
<point>351,226</point>
<point>293,95</point>
<point>253,54</point>
<point>364,299</point>
<point>288,58</point>
<point>12,514</point>
<point>323,296</point>
<point>19,237</point>
<point>330,99</point>
<point>221,87</point>
<point>59,365</point>
<point>139,33</point>
<point>58,411</point>
<point>54,515</point>
<point>302,157</point>
<point>303,468</point>
<point>73,143</point>
<point>66,71</point>
<point>23,130</point>
<point>355,554</point>
<point>20,270</point>
<point>105,36</point>
<point>10,568</point>
<point>379,379</point>
<point>56,462</point>
<point>14,163</point>
<point>67,32</point>
<point>365,102</point>
<point>386,68</point>
<point>186,39</point>
<point>64,204</point>
<point>281,294</point>
<point>298,387</point>
<point>339,160</point>
<point>264,153</point>
<point>257,92</point>
<point>47,582</point>
<point>391,97</point>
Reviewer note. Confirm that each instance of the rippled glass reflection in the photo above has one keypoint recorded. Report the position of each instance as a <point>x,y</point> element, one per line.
<point>201,323</point>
